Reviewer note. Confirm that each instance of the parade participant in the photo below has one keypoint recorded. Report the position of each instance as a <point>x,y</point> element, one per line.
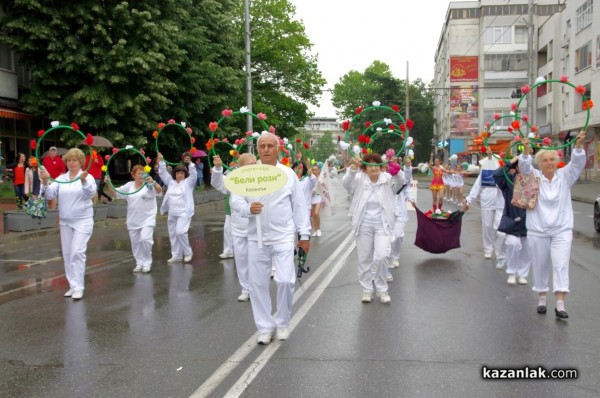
<point>437,183</point>
<point>32,179</point>
<point>550,223</point>
<point>179,203</point>
<point>373,219</point>
<point>405,195</point>
<point>316,203</point>
<point>518,259</point>
<point>76,214</point>
<point>282,216</point>
<point>141,215</point>
<point>459,183</point>
<point>239,224</point>
<point>491,199</point>
<point>54,164</point>
<point>308,181</point>
<point>95,170</point>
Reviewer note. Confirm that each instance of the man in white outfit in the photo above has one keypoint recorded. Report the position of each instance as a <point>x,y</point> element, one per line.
<point>281,215</point>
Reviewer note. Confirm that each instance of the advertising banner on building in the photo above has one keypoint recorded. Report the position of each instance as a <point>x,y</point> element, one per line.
<point>464,69</point>
<point>464,111</point>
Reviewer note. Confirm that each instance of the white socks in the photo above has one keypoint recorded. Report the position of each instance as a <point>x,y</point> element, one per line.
<point>542,301</point>
<point>560,305</point>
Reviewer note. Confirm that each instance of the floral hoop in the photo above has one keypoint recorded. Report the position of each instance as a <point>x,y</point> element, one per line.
<point>181,126</point>
<point>404,126</point>
<point>87,139</point>
<point>116,151</point>
<point>214,126</point>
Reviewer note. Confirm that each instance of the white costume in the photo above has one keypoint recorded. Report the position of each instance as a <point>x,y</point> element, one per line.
<point>373,219</point>
<point>141,220</point>
<point>491,200</point>
<point>401,214</point>
<point>550,223</point>
<point>283,216</point>
<point>76,213</point>
<point>179,202</point>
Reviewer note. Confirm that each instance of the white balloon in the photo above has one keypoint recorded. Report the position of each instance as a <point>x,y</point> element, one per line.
<point>376,103</point>
<point>409,141</point>
<point>411,153</point>
<point>344,145</point>
<point>285,140</point>
<point>54,124</point>
<point>356,149</point>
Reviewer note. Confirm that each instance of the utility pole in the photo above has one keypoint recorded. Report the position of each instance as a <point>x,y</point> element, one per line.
<point>530,52</point>
<point>407,93</point>
<point>249,126</point>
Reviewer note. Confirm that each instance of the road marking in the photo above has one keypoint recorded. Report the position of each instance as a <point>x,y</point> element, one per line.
<point>33,262</point>
<point>246,348</point>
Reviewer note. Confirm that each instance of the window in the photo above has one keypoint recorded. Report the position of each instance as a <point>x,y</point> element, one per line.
<point>578,102</point>
<point>583,57</point>
<point>549,85</point>
<point>566,105</point>
<point>550,50</point>
<point>500,123</point>
<point>584,16</point>
<point>498,35</point>
<point>505,62</point>
<point>6,57</point>
<point>521,34</point>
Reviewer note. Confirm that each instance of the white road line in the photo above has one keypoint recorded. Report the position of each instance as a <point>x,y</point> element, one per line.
<point>33,262</point>
<point>238,357</point>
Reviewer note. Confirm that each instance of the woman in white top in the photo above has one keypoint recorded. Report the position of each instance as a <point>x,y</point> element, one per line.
<point>316,203</point>
<point>141,215</point>
<point>76,215</point>
<point>373,219</point>
<point>179,203</point>
<point>550,223</point>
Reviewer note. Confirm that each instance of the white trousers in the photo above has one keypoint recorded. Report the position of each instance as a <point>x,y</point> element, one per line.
<point>398,238</point>
<point>374,248</point>
<point>227,238</point>
<point>499,245</point>
<point>141,245</point>
<point>554,249</point>
<point>487,229</point>
<point>178,235</point>
<point>74,245</point>
<point>259,276</point>
<point>518,259</point>
<point>240,253</point>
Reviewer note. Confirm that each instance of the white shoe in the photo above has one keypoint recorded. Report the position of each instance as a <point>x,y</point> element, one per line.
<point>522,281</point>
<point>226,255</point>
<point>500,263</point>
<point>283,334</point>
<point>511,280</point>
<point>188,258</point>
<point>244,297</point>
<point>137,269</point>
<point>145,270</point>
<point>173,260</point>
<point>77,294</point>
<point>384,297</point>
<point>367,297</point>
<point>390,278</point>
<point>265,338</point>
<point>395,263</point>
<point>318,232</point>
<point>314,233</point>
<point>69,293</point>
<point>487,255</point>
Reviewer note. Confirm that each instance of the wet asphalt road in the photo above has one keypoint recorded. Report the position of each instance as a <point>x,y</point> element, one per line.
<point>180,332</point>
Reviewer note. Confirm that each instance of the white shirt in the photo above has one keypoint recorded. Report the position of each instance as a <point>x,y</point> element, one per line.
<point>491,197</point>
<point>141,206</point>
<point>239,224</point>
<point>186,187</point>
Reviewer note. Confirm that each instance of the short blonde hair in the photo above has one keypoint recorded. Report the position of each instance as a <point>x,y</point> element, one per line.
<point>542,152</point>
<point>245,158</point>
<point>75,153</point>
<point>135,169</point>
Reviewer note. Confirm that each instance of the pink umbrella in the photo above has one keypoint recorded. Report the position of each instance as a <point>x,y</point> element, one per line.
<point>198,153</point>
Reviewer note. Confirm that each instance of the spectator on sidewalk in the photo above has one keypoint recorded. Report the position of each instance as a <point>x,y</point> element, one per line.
<point>54,166</point>
<point>18,168</point>
<point>32,179</point>
<point>95,170</point>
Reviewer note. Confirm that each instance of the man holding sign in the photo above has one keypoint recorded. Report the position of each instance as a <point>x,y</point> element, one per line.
<point>275,219</point>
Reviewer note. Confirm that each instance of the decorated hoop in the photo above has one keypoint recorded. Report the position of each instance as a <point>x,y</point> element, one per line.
<point>181,126</point>
<point>404,126</point>
<point>87,139</point>
<point>116,151</point>
<point>226,114</point>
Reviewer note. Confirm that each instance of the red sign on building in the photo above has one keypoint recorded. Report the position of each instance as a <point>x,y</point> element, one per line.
<point>464,69</point>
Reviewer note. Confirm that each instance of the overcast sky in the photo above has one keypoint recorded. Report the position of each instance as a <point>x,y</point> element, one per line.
<point>351,34</point>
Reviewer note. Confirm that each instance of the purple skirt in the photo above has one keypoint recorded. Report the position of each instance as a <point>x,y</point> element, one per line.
<point>438,235</point>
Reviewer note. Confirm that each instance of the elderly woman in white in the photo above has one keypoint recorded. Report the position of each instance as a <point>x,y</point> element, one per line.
<point>76,188</point>
<point>179,203</point>
<point>550,223</point>
<point>373,219</point>
<point>140,195</point>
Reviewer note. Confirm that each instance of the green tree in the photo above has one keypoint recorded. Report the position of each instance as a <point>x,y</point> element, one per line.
<point>324,147</point>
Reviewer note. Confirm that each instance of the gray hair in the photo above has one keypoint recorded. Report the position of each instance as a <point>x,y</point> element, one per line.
<point>538,155</point>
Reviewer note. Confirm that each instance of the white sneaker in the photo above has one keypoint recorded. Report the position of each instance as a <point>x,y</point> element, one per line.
<point>145,270</point>
<point>522,280</point>
<point>244,297</point>
<point>265,338</point>
<point>314,233</point>
<point>511,280</point>
<point>367,297</point>
<point>173,260</point>
<point>487,255</point>
<point>188,258</point>
<point>384,297</point>
<point>395,263</point>
<point>390,278</point>
<point>69,293</point>
<point>137,269</point>
<point>283,334</point>
<point>77,294</point>
<point>318,232</point>
<point>500,263</point>
<point>226,255</point>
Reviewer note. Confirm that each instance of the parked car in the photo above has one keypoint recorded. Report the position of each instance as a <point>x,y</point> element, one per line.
<point>597,214</point>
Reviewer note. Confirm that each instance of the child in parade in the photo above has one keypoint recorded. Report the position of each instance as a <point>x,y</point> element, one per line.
<point>437,183</point>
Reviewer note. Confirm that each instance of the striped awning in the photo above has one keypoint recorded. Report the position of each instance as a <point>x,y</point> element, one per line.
<point>8,113</point>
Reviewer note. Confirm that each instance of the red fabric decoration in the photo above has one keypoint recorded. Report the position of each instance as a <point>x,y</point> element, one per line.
<point>534,129</point>
<point>501,162</point>
<point>359,110</point>
<point>115,150</point>
<point>298,140</point>
<point>580,89</point>
<point>346,124</point>
<point>526,89</point>
<point>395,108</point>
<point>305,145</point>
<point>410,124</point>
<point>261,116</point>
<point>192,140</point>
<point>483,149</point>
<point>33,144</point>
<point>189,130</point>
<point>40,133</point>
<point>161,125</point>
<point>368,124</point>
<point>362,138</point>
<point>513,107</point>
<point>339,138</point>
<point>509,129</point>
<point>516,124</point>
<point>226,112</point>
<point>74,126</point>
<point>391,127</point>
<point>171,121</point>
<point>587,105</point>
<point>560,165</point>
<point>107,158</point>
<point>272,129</point>
<point>564,79</point>
<point>89,140</point>
<point>402,127</point>
<point>364,151</point>
<point>213,126</point>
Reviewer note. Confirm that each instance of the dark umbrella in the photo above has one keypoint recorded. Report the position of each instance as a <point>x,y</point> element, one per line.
<point>100,142</point>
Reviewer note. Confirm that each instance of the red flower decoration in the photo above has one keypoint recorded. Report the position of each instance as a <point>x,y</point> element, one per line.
<point>89,140</point>
<point>509,129</point>
<point>215,140</point>
<point>213,126</point>
<point>226,112</point>
<point>368,124</point>
<point>587,105</point>
<point>346,124</point>
<point>564,79</point>
<point>285,161</point>
<point>189,130</point>
<point>298,140</point>
<point>364,151</point>
<point>367,139</point>
<point>395,108</point>
<point>142,151</point>
<point>502,154</point>
<point>74,126</point>
<point>580,89</point>
<point>33,144</point>
<point>487,125</point>
<point>261,116</point>
<point>171,121</point>
<point>501,162</point>
<point>546,141</point>
<point>107,158</point>
<point>192,140</point>
<point>516,124</point>
<point>155,134</point>
<point>305,145</point>
<point>359,110</point>
<point>362,138</point>
<point>148,160</point>
<point>483,149</point>
<point>161,125</point>
<point>410,124</point>
<point>402,127</point>
<point>272,129</point>
<point>496,116</point>
<point>391,127</point>
<point>513,107</point>
<point>526,89</point>
<point>40,133</point>
<point>534,129</point>
<point>115,150</point>
<point>560,165</point>
<point>525,118</point>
